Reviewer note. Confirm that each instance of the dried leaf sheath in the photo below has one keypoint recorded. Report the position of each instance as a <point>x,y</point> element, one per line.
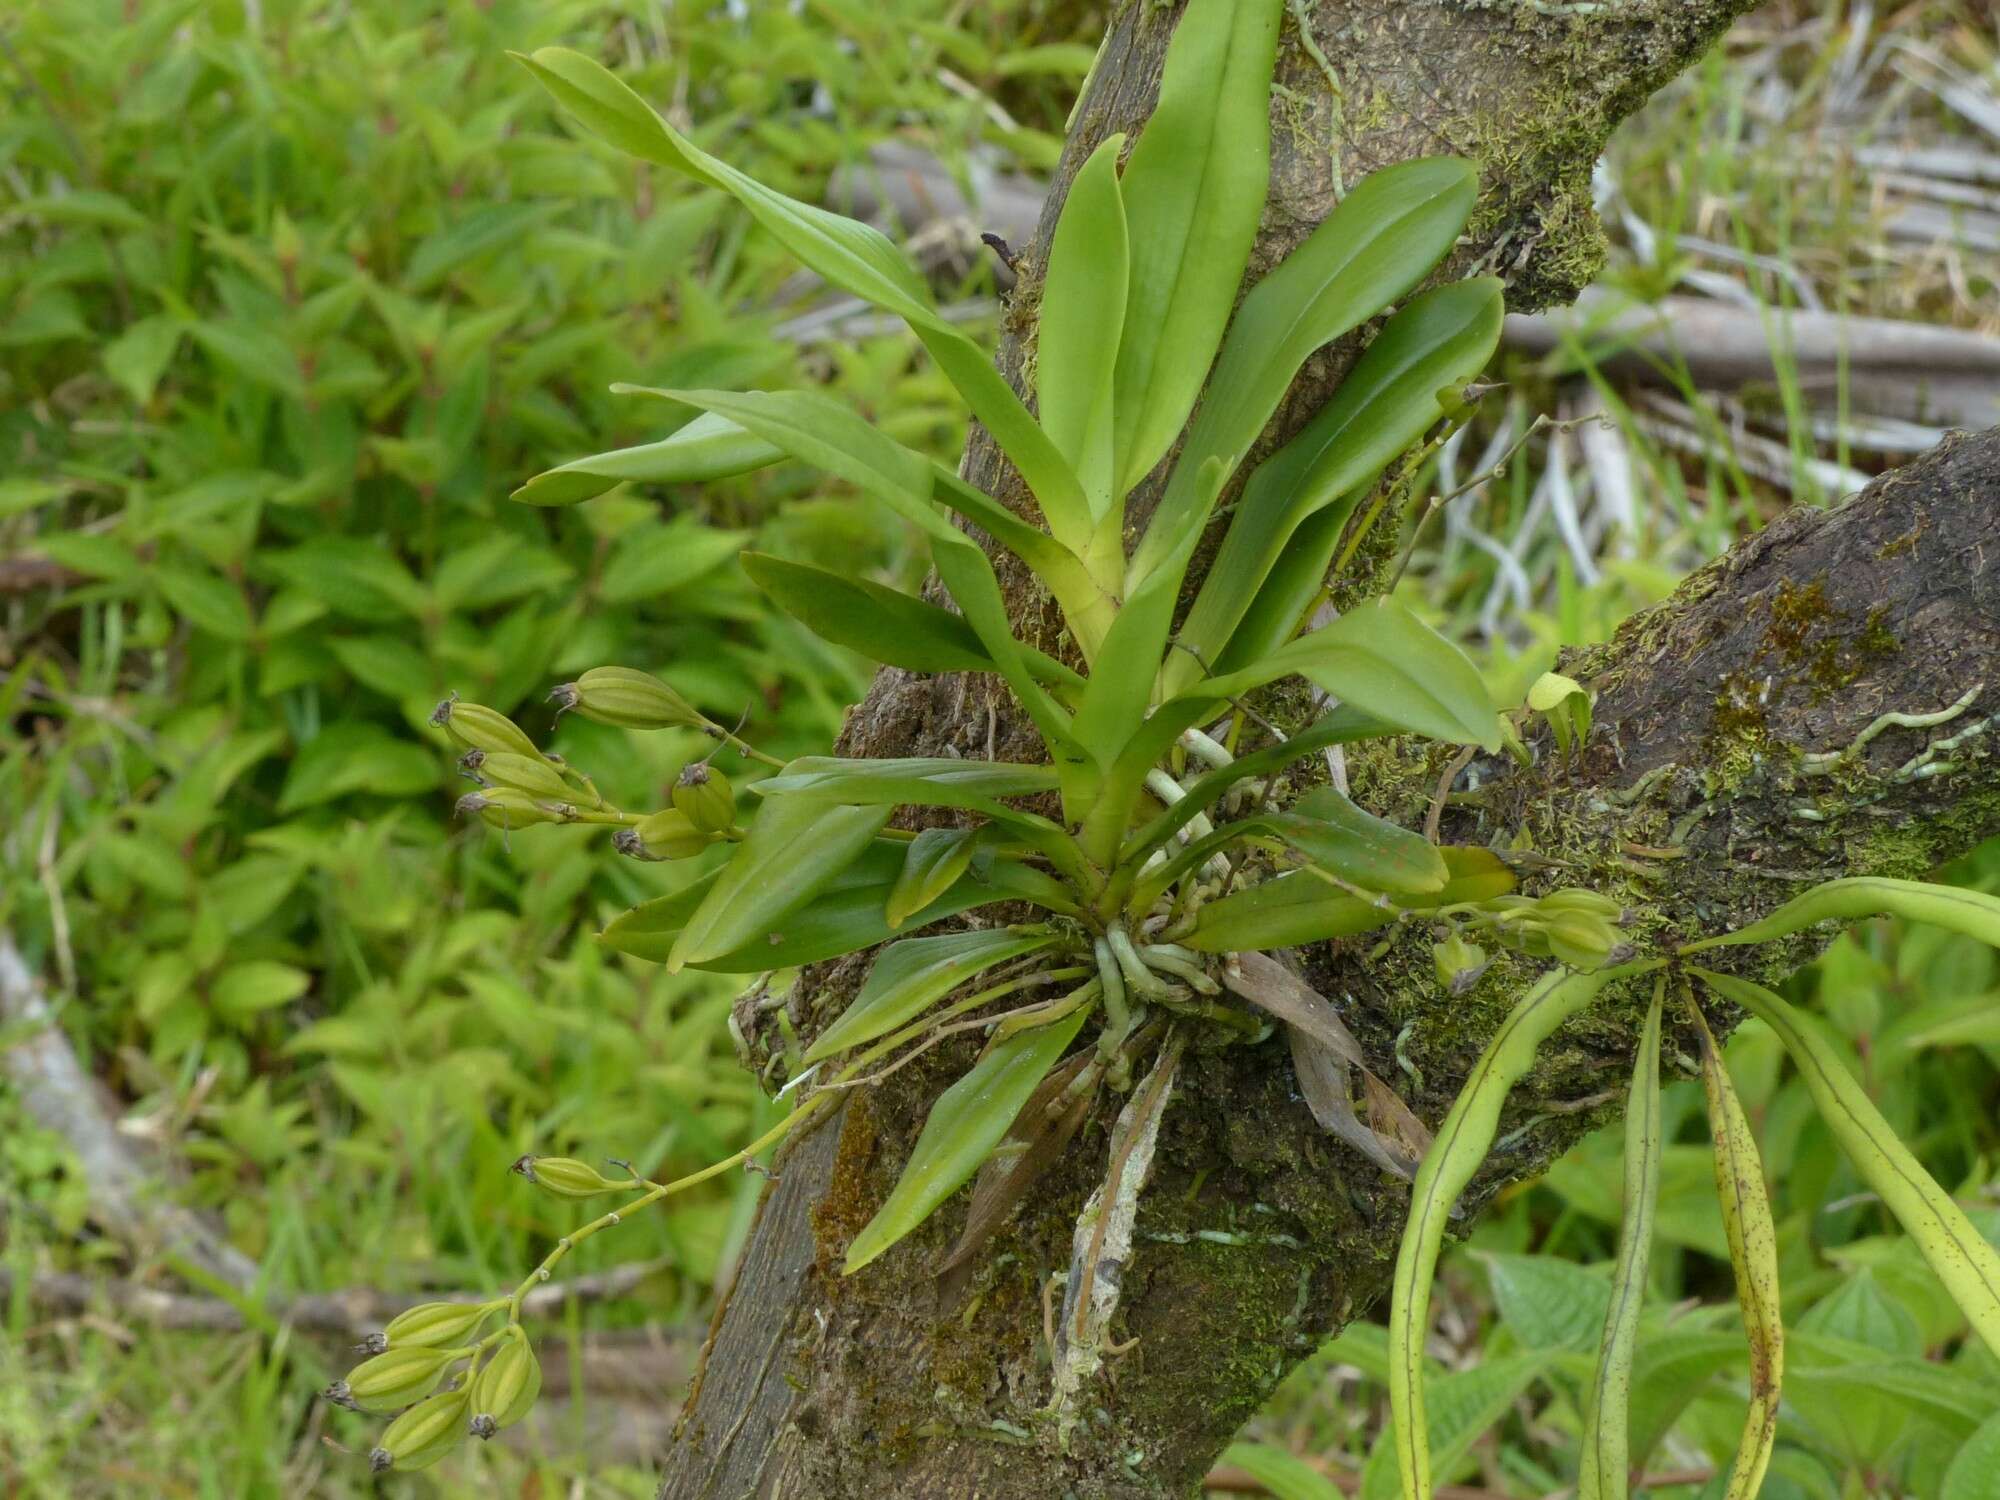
<point>1606,1466</point>
<point>1753,1250</point>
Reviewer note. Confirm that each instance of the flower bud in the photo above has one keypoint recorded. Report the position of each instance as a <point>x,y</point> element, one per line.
<point>1574,900</point>
<point>671,834</point>
<point>503,807</point>
<point>1459,963</point>
<point>703,796</point>
<point>566,1177</point>
<point>627,698</point>
<point>434,1324</point>
<point>1582,940</point>
<point>393,1379</point>
<point>506,1385</point>
<point>518,773</point>
<point>423,1434</point>
<point>478,727</point>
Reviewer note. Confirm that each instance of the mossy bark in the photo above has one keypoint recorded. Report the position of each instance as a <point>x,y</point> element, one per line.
<point>1259,1234</point>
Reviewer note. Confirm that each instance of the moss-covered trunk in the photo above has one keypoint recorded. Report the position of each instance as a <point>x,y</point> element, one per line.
<point>1259,1234</point>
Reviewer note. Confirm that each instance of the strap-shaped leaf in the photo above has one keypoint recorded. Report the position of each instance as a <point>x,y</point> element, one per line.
<point>932,781</point>
<point>933,864</point>
<point>1384,660</point>
<point>967,1122</point>
<point>849,254</point>
<point>792,852</point>
<point>1973,914</point>
<point>821,431</point>
<point>1082,315</point>
<point>886,624</point>
<point>1382,239</point>
<point>1301,908</point>
<point>913,973</point>
<point>1964,1261</point>
<point>1194,188</point>
<point>845,917</point>
<point>1753,1251</point>
<point>1359,847</point>
<point>709,447</point>
<point>1455,1156</point>
<point>1604,1473</point>
<point>1441,339</point>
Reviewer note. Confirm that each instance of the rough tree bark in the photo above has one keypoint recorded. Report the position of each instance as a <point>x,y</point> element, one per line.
<point>1696,800</point>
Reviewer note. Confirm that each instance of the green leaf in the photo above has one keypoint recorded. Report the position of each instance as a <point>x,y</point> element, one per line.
<point>1463,1405</point>
<point>709,447</point>
<point>1968,1266</point>
<point>243,990</point>
<point>208,602</point>
<point>1548,1303</point>
<point>1381,240</point>
<point>967,1122</point>
<point>931,781</point>
<point>1383,660</point>
<point>1194,188</point>
<point>1301,908</point>
<point>1607,1407</point>
<point>1082,313</point>
<point>139,356</point>
<point>910,975</point>
<point>1975,1469</point>
<point>937,857</point>
<point>1753,1252</point>
<point>1462,1143</point>
<point>794,850</point>
<point>850,255</point>
<point>1358,846</point>
<point>357,757</point>
<point>1974,914</point>
<point>1388,400</point>
<point>1279,1473</point>
<point>886,624</point>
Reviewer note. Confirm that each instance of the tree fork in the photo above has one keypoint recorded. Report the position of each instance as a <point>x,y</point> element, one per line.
<point>1731,759</point>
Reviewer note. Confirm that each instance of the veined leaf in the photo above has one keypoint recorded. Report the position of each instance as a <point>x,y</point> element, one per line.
<point>1964,1261</point>
<point>1606,1467</point>
<point>1381,240</point>
<point>1083,311</point>
<point>1194,188</point>
<point>1280,1474</point>
<point>909,975</point>
<point>967,1122</point>
<point>885,624</point>
<point>851,255</point>
<point>1301,908</point>
<point>793,851</point>
<point>933,864</point>
<point>1463,1405</point>
<point>1455,1156</point>
<point>1441,339</point>
<point>709,447</point>
<point>1972,913</point>
<point>1384,660</point>
<point>1753,1251</point>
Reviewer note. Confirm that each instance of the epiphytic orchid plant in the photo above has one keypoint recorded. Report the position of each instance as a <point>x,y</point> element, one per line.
<point>1174,859</point>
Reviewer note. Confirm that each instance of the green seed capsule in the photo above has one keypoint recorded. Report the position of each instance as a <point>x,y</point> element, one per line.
<point>393,1380</point>
<point>478,727</point>
<point>703,796</point>
<point>627,698</point>
<point>518,773</point>
<point>506,1385</point>
<point>503,807</point>
<point>434,1324</point>
<point>566,1177</point>
<point>1589,902</point>
<point>671,834</point>
<point>1580,939</point>
<point>423,1434</point>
